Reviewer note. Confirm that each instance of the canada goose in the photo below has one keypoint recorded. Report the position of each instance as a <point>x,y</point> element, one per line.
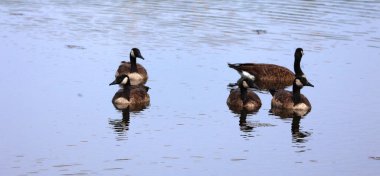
<point>283,99</point>
<point>134,97</point>
<point>243,98</point>
<point>267,74</point>
<point>135,71</point>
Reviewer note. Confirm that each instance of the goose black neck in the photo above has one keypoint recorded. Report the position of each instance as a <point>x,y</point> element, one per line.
<point>297,65</point>
<point>243,94</point>
<point>133,63</point>
<point>127,90</point>
<point>296,94</point>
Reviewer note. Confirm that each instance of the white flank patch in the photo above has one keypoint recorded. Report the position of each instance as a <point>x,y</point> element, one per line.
<point>136,78</point>
<point>301,106</point>
<point>121,100</point>
<point>132,53</point>
<point>125,80</point>
<point>245,74</point>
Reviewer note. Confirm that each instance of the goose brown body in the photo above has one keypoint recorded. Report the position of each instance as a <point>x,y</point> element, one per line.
<point>136,72</point>
<point>136,98</point>
<point>267,72</point>
<point>272,76</point>
<point>286,113</point>
<point>139,77</point>
<point>133,97</point>
<point>283,99</point>
<point>243,98</point>
<point>235,103</point>
<point>291,101</point>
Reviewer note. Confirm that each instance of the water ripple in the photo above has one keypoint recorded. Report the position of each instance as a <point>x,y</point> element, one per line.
<point>214,24</point>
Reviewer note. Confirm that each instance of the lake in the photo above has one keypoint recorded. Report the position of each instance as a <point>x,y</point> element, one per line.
<point>58,57</point>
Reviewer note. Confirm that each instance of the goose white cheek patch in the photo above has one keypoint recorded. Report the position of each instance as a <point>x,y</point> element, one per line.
<point>299,83</point>
<point>132,53</point>
<point>245,84</point>
<point>125,80</point>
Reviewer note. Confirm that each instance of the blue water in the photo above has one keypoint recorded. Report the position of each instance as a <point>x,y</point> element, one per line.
<point>57,59</point>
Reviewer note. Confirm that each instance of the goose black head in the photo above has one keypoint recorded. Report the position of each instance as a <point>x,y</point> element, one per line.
<point>305,82</point>
<point>121,79</point>
<point>302,81</point>
<point>298,53</point>
<point>135,52</point>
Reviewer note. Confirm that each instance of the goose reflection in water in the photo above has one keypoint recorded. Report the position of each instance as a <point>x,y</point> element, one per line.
<point>298,136</point>
<point>128,99</point>
<point>248,127</point>
<point>244,125</point>
<point>121,126</point>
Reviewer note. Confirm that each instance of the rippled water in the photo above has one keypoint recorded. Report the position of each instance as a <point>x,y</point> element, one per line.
<point>57,59</point>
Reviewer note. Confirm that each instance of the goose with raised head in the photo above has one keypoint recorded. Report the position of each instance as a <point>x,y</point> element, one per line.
<point>270,73</point>
<point>295,101</point>
<point>136,72</point>
<point>243,98</point>
<point>134,97</point>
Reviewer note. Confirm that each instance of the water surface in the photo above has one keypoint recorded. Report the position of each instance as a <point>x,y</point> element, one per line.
<point>57,59</point>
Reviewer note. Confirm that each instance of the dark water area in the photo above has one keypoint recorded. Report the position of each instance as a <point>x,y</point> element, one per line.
<point>57,59</point>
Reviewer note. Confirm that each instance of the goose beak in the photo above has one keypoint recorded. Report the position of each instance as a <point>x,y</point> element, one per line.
<point>113,83</point>
<point>141,57</point>
<point>309,84</point>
